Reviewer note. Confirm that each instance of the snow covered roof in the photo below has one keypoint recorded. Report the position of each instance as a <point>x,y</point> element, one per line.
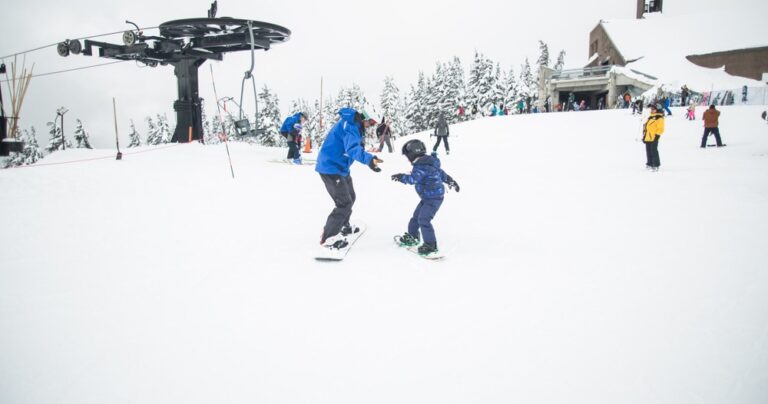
<point>659,43</point>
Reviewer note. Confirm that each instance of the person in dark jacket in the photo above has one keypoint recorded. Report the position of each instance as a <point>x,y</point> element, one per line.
<point>291,131</point>
<point>711,125</point>
<point>428,178</point>
<point>442,132</point>
<point>684,93</point>
<point>384,132</point>
<point>342,146</point>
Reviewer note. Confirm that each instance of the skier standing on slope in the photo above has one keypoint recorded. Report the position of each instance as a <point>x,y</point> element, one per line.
<point>291,131</point>
<point>342,146</point>
<point>652,130</point>
<point>384,132</point>
<point>428,178</point>
<point>441,132</point>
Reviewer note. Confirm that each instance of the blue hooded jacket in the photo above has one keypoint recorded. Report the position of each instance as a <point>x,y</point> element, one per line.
<point>428,178</point>
<point>289,122</point>
<point>342,146</point>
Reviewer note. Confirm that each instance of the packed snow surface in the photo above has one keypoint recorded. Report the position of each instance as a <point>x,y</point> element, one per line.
<point>573,275</point>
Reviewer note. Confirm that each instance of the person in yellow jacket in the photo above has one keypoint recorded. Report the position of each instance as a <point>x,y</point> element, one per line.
<point>652,131</point>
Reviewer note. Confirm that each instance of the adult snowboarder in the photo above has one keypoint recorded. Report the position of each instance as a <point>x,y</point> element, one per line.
<point>343,146</point>
<point>652,130</point>
<point>428,178</point>
<point>441,132</point>
<point>711,125</point>
<point>291,131</point>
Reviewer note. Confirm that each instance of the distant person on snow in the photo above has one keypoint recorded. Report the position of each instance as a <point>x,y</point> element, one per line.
<point>428,178</point>
<point>342,146</point>
<point>384,132</point>
<point>291,131</point>
<point>684,93</point>
<point>711,122</point>
<point>494,111</point>
<point>652,130</point>
<point>691,112</point>
<point>666,106</point>
<point>441,132</point>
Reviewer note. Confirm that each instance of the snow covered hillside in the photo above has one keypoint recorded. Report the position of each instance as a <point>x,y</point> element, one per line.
<point>572,274</point>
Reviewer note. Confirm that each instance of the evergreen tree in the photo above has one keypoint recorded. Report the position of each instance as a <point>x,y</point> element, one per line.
<point>415,110</point>
<point>56,140</point>
<point>486,86</point>
<point>164,130</point>
<point>433,96</point>
<point>560,61</point>
<point>217,129</point>
<point>205,121</point>
<point>81,136</point>
<point>133,135</point>
<point>353,97</point>
<point>393,107</point>
<point>511,90</point>
<point>269,119</point>
<point>473,81</point>
<point>499,87</point>
<point>32,152</point>
<point>456,90</point>
<point>544,55</point>
<point>526,85</point>
<point>154,137</point>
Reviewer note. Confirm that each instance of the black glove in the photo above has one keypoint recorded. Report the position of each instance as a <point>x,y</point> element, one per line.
<point>452,183</point>
<point>374,164</point>
<point>398,177</point>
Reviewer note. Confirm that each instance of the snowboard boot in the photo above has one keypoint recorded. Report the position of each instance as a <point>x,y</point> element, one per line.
<point>297,161</point>
<point>336,242</point>
<point>406,240</point>
<point>427,249</point>
<point>349,229</point>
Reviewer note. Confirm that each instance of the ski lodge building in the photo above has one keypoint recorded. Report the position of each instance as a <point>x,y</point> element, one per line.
<point>705,51</point>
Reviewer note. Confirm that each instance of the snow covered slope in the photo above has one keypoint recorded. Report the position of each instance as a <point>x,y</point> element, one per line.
<point>572,274</point>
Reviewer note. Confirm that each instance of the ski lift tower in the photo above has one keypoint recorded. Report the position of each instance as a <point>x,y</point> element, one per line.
<point>186,44</point>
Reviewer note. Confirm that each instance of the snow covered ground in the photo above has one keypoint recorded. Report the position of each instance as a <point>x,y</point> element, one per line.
<point>572,274</point>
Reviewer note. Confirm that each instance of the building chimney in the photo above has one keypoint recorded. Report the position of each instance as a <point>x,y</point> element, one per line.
<point>648,6</point>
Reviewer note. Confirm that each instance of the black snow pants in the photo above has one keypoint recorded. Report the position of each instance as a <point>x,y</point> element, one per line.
<point>652,153</point>
<point>342,191</point>
<point>707,131</point>
<point>445,141</point>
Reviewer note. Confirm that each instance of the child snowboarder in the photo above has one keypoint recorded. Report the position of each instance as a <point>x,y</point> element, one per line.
<point>691,115</point>
<point>428,178</point>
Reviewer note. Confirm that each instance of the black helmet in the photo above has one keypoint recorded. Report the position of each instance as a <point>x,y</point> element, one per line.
<point>414,149</point>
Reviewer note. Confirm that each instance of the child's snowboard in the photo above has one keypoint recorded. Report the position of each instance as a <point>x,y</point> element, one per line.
<point>415,249</point>
<point>326,254</point>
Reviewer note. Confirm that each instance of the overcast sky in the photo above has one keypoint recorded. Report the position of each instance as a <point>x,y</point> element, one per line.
<point>344,42</point>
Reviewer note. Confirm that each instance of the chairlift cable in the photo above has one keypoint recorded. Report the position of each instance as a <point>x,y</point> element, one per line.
<point>69,70</point>
<point>75,39</point>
